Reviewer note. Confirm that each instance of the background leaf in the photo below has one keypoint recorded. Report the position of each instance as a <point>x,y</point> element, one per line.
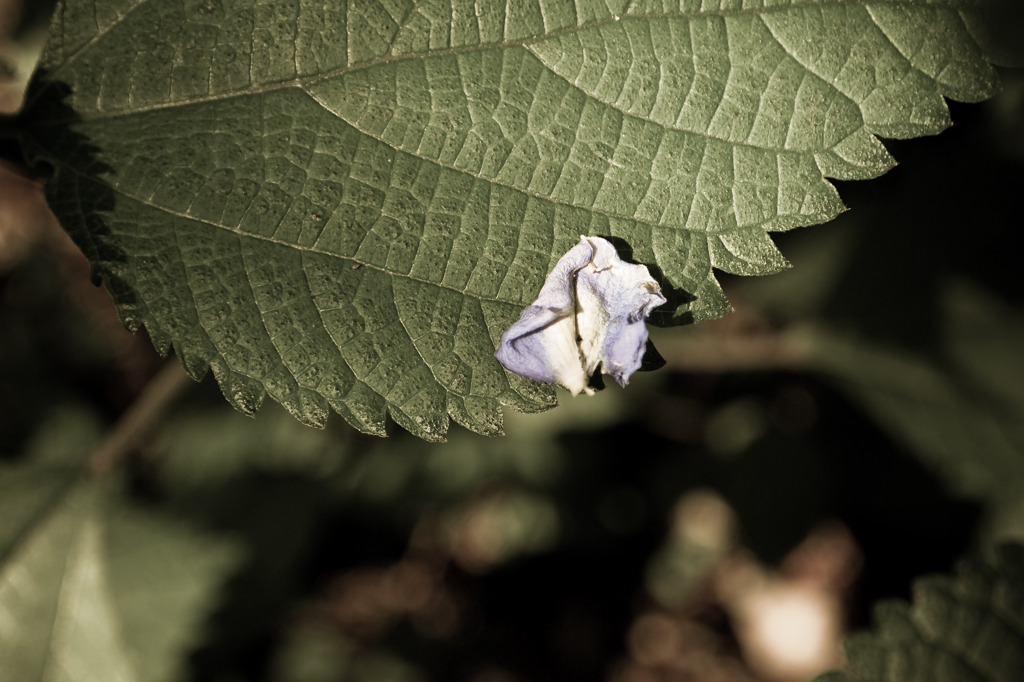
<point>966,401</point>
<point>26,492</point>
<point>344,209</point>
<point>923,335</point>
<point>967,627</point>
<point>95,588</point>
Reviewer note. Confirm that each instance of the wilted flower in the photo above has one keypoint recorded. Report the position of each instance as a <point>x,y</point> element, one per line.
<point>590,313</point>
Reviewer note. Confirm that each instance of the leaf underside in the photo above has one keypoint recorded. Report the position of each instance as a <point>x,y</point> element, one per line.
<point>966,628</point>
<point>345,205</point>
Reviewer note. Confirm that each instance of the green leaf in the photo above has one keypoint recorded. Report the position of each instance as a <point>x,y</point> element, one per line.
<point>207,448</point>
<point>316,653</point>
<point>344,206</point>
<point>960,412</point>
<point>965,628</point>
<point>201,454</point>
<point>98,590</point>
<point>52,463</point>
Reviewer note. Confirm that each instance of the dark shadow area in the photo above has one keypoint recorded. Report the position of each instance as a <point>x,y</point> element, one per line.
<point>948,211</point>
<point>565,613</point>
<point>55,349</point>
<point>904,518</point>
<point>665,315</point>
<point>55,147</point>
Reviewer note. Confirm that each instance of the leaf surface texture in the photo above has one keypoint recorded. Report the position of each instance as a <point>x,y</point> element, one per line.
<point>962,628</point>
<point>343,205</point>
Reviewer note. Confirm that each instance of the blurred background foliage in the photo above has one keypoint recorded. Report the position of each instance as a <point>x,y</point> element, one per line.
<point>857,422</point>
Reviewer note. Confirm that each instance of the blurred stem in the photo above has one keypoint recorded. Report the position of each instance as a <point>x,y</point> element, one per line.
<point>141,417</point>
<point>724,347</point>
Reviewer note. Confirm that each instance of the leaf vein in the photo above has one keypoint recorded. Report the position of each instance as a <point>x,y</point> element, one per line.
<point>100,33</point>
<point>301,82</point>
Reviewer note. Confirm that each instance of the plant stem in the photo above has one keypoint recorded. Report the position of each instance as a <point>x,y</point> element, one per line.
<point>724,349</point>
<point>141,417</point>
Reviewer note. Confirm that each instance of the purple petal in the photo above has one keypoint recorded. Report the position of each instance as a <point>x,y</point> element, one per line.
<point>541,345</point>
<point>590,314</point>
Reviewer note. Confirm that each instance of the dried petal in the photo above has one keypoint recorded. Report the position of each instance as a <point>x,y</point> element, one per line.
<point>590,314</point>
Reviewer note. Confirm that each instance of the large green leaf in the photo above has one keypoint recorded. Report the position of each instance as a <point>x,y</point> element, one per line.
<point>93,589</point>
<point>343,205</point>
<point>965,628</point>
